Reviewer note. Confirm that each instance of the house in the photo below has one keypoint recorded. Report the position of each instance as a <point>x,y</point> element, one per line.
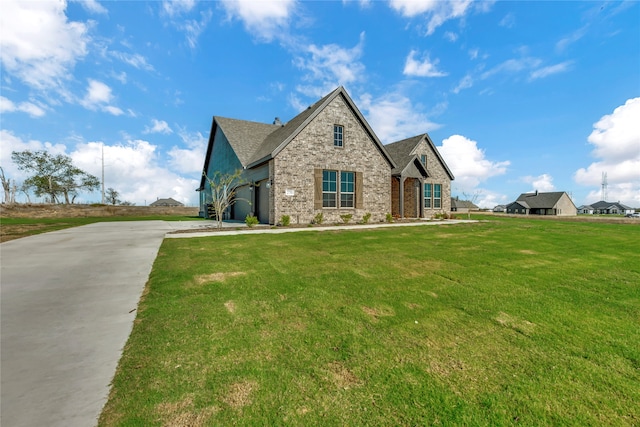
<point>610,208</point>
<point>327,160</point>
<point>500,208</point>
<point>422,175</point>
<point>554,203</point>
<point>462,206</point>
<point>586,209</point>
<point>166,202</point>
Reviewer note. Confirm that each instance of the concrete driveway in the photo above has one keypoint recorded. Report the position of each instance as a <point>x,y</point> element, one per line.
<point>67,305</point>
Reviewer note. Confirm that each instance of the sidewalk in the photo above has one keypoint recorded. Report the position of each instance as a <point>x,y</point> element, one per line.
<point>241,228</point>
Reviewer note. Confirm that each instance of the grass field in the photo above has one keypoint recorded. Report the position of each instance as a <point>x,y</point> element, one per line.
<point>503,322</point>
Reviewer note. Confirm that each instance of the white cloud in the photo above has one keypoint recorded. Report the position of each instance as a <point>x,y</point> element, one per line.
<point>266,20</point>
<point>423,68</point>
<point>92,6</point>
<point>10,142</point>
<point>436,11</point>
<point>550,70</point>
<point>193,28</point>
<point>508,21</point>
<point>512,66</point>
<point>7,106</point>
<point>451,36</point>
<point>132,169</point>
<point>616,141</point>
<point>393,117</point>
<point>189,160</point>
<point>177,7</point>
<point>542,183</point>
<point>563,43</point>
<point>465,83</point>
<point>134,59</point>
<point>99,96</point>
<point>175,11</point>
<point>38,45</point>
<point>329,66</point>
<point>158,126</point>
<point>468,163</point>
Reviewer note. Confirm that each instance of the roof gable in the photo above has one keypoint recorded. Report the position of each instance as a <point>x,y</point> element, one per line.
<point>255,143</point>
<point>402,153</point>
<point>279,139</point>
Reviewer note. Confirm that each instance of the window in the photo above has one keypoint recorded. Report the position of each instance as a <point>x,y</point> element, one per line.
<point>427,196</point>
<point>347,188</point>
<point>338,133</point>
<point>329,188</point>
<point>437,196</point>
<point>423,159</point>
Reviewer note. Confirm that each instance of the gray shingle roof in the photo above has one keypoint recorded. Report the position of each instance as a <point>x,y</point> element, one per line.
<point>255,143</point>
<point>401,150</point>
<point>541,200</point>
<point>605,205</point>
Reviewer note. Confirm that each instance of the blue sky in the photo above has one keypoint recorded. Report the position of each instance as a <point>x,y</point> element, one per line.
<point>517,96</point>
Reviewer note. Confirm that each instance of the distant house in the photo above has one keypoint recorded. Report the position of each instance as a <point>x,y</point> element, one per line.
<point>586,209</point>
<point>462,206</point>
<point>554,203</point>
<point>166,203</point>
<point>423,176</point>
<point>325,161</point>
<point>610,208</point>
<point>500,208</point>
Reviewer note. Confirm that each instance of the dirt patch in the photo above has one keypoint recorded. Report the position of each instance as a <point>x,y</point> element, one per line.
<point>520,325</point>
<point>412,305</point>
<point>183,414</point>
<point>239,394</point>
<point>528,252</point>
<point>342,377</point>
<point>376,313</point>
<point>216,277</point>
<point>230,306</point>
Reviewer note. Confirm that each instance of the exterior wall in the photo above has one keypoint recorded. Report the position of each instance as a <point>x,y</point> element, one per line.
<point>395,195</point>
<point>438,176</point>
<point>224,160</point>
<point>293,168</point>
<point>565,206</point>
<point>411,194</point>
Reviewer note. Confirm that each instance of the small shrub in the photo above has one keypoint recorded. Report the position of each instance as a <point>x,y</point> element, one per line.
<point>389,218</point>
<point>346,218</point>
<point>285,220</point>
<point>366,217</point>
<point>251,220</point>
<point>319,218</point>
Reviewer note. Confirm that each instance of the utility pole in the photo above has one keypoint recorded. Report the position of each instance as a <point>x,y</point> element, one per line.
<point>102,145</point>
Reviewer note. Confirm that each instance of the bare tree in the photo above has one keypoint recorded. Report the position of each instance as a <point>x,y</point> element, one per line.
<point>471,198</point>
<point>223,188</point>
<point>112,196</point>
<point>6,186</point>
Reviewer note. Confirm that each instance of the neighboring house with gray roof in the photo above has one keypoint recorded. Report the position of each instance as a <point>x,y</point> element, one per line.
<point>463,206</point>
<point>325,160</point>
<point>606,208</point>
<point>166,202</point>
<point>423,176</point>
<point>553,203</point>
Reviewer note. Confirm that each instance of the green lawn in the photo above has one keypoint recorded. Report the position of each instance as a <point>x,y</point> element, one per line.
<point>504,322</point>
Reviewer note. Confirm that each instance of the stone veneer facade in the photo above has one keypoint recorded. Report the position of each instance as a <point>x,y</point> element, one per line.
<point>413,195</point>
<point>292,170</point>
